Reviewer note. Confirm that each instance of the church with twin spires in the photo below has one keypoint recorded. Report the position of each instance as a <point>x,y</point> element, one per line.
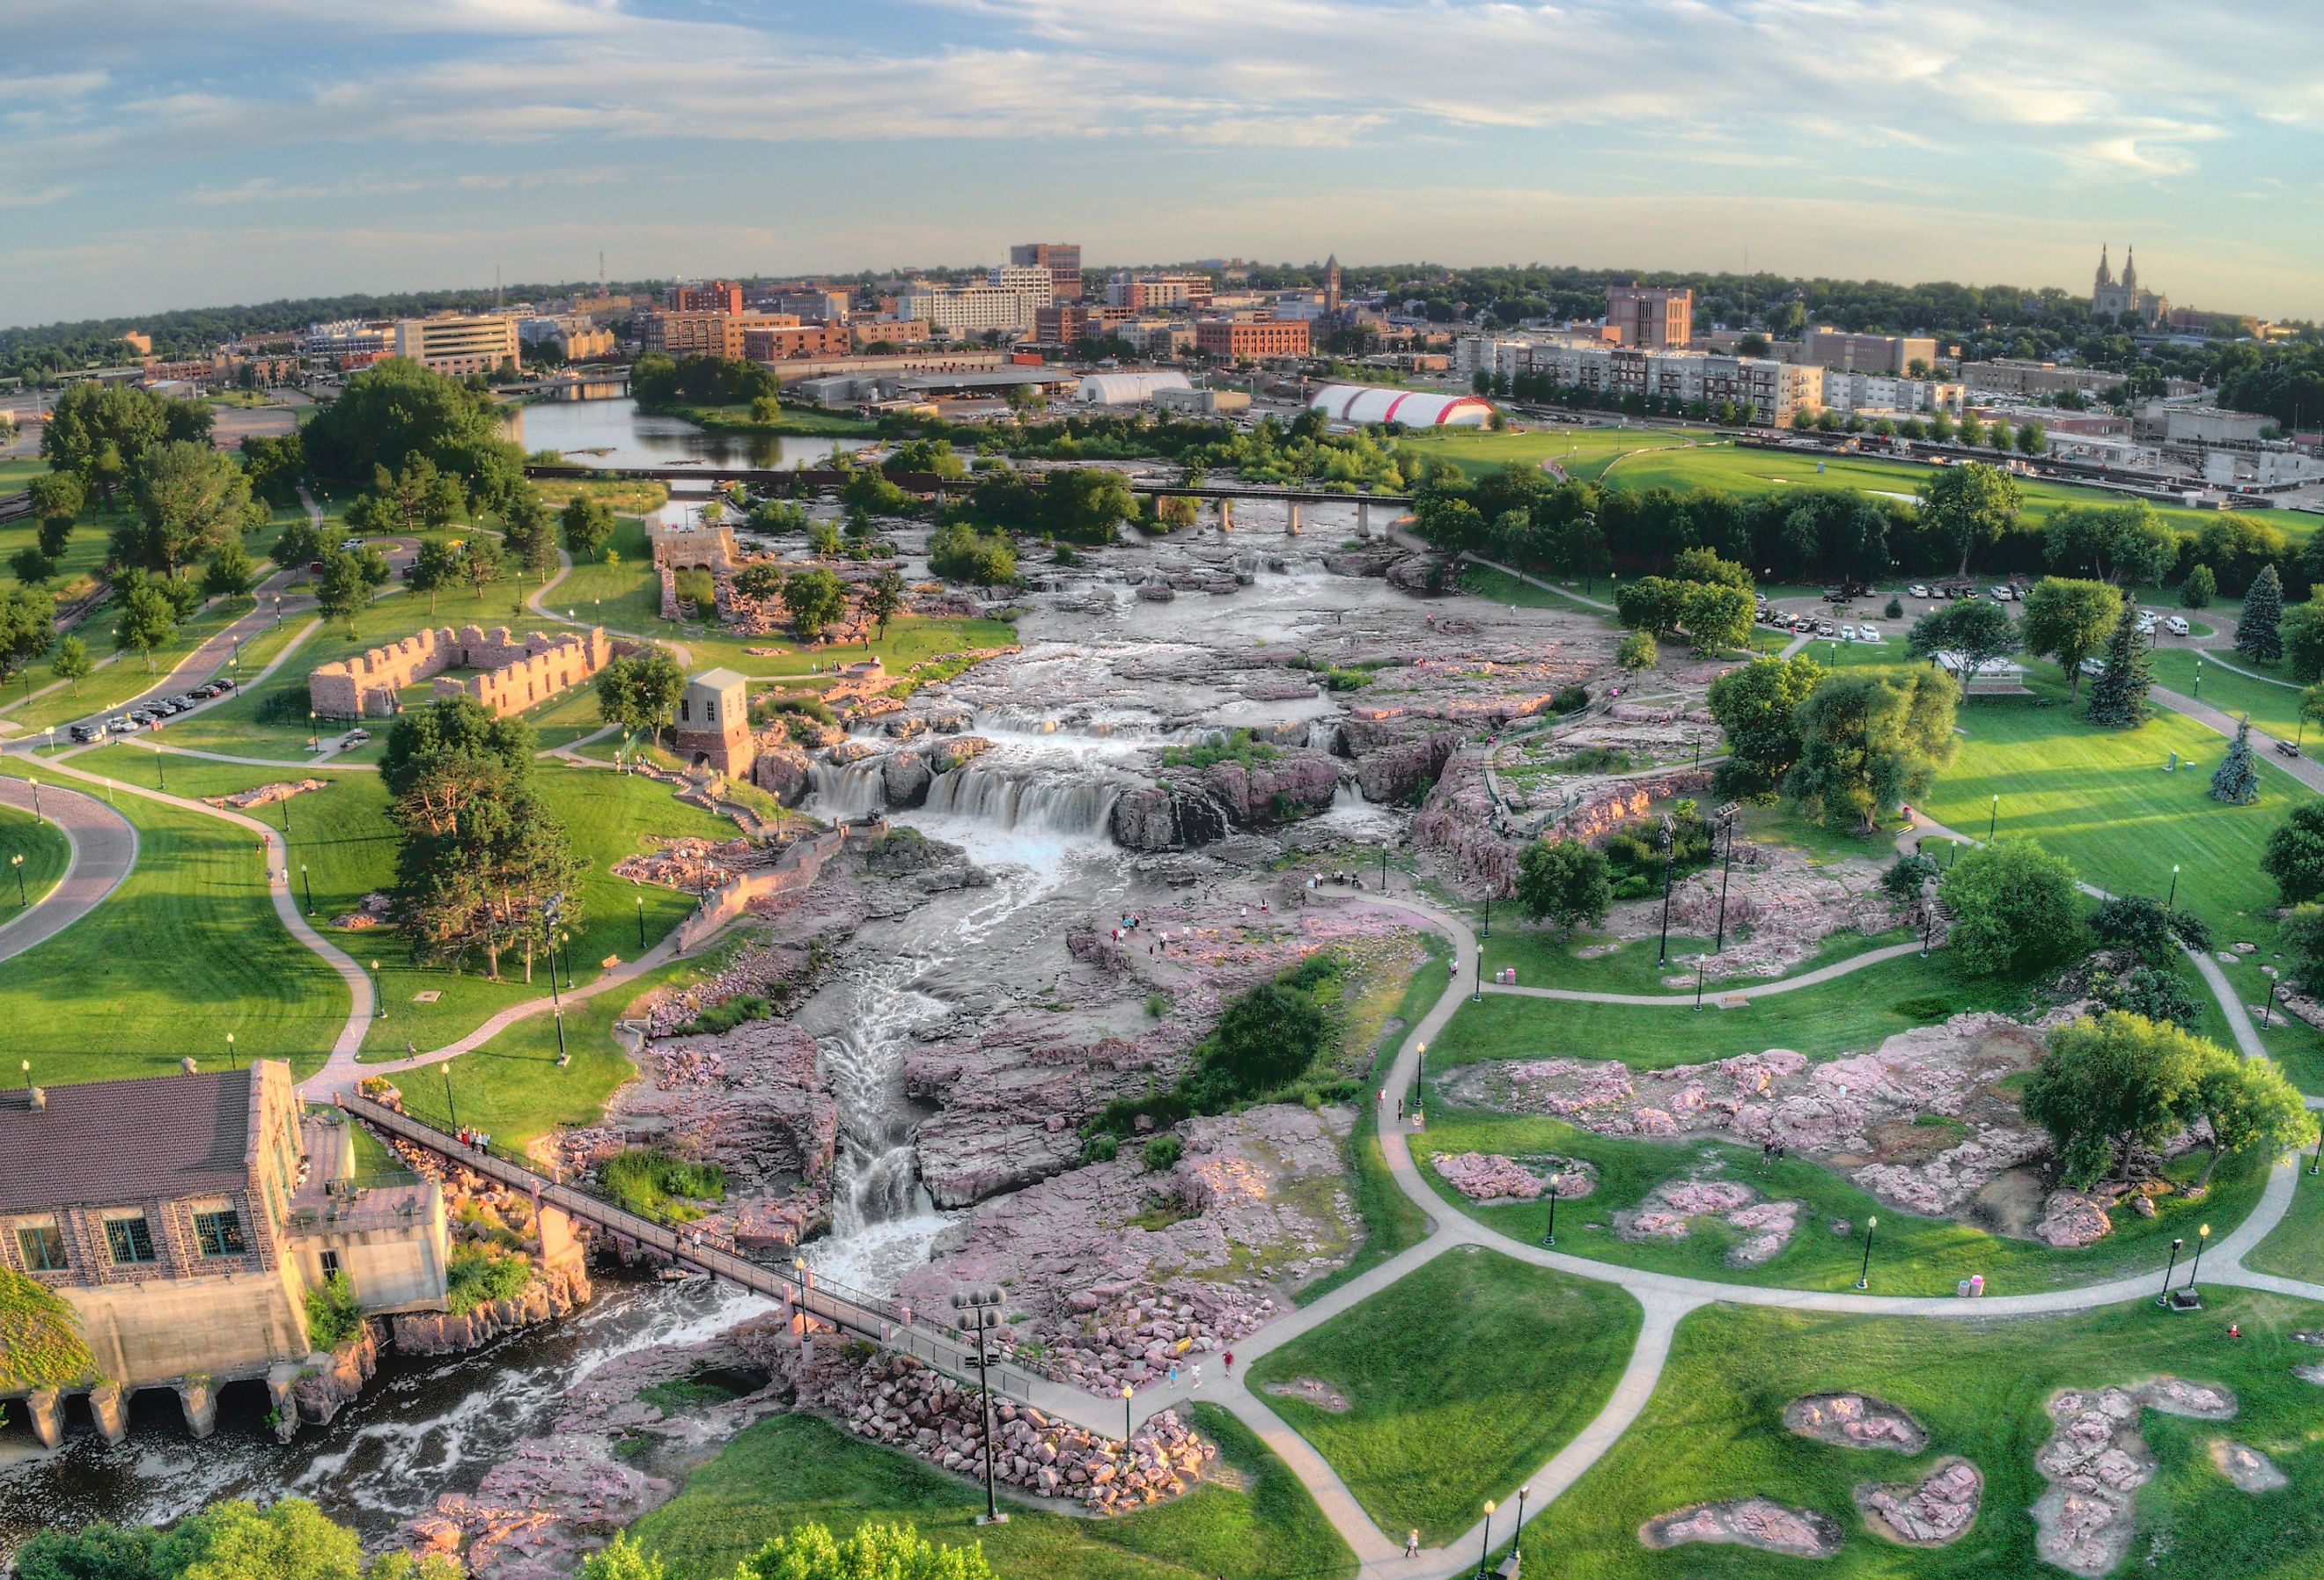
<point>2113,298</point>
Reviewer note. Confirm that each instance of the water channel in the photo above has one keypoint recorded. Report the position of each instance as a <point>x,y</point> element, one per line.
<point>615,433</point>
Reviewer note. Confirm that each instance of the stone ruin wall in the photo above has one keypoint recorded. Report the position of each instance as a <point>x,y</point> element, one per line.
<point>518,671</point>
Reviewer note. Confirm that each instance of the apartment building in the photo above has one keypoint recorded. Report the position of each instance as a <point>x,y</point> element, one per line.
<point>705,333</point>
<point>457,346</point>
<point>1873,392</point>
<point>1063,260</point>
<point>1251,340</point>
<point>1152,292</point>
<point>812,305</point>
<point>348,342</point>
<point>785,342</point>
<point>708,296</point>
<point>1156,336</point>
<point>2010,375</point>
<point>1069,323</point>
<point>1890,353</point>
<point>1657,317</point>
<point>1771,389</point>
<point>1005,303</point>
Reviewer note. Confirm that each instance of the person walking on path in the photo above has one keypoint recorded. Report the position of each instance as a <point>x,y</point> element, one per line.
<point>1412,1544</point>
<point>1198,1376</point>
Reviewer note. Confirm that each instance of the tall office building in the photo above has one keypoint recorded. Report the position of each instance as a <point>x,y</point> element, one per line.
<point>1063,260</point>
<point>1656,317</point>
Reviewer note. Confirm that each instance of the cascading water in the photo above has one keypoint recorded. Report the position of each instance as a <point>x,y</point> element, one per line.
<point>846,792</point>
<point>1013,799</point>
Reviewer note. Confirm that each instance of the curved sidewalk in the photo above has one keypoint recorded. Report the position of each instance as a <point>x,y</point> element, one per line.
<point>102,852</point>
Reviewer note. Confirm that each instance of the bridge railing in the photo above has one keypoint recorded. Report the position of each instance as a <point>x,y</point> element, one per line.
<point>890,1322</point>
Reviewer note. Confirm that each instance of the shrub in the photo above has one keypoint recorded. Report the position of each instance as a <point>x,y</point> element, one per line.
<point>333,1316</point>
<point>478,1277</point>
<point>655,1185</point>
<point>728,1014</point>
<point>1903,879</point>
<point>1896,609</point>
<point>1239,746</point>
<point>2014,905</point>
<point>1157,1005</point>
<point>1101,1148</point>
<point>1569,699</point>
<point>1163,1152</point>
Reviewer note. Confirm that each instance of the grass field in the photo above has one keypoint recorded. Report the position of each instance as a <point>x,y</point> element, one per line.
<point>2294,1248</point>
<point>2100,799</point>
<point>1714,1430</point>
<point>45,852</point>
<point>1581,452</point>
<point>623,596</point>
<point>1461,1379</point>
<point>1257,1523</point>
<point>342,838</point>
<point>186,950</point>
<point>2273,707</point>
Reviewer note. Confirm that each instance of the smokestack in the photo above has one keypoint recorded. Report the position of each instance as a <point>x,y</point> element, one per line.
<point>39,1098</point>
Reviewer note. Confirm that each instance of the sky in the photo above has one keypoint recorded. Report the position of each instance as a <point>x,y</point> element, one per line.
<point>155,154</point>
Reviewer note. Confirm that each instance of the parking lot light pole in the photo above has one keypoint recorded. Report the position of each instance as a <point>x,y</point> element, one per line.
<point>2167,904</point>
<point>17,861</point>
<point>2169,1267</point>
<point>307,879</point>
<point>2202,1237</point>
<point>1864,1273</point>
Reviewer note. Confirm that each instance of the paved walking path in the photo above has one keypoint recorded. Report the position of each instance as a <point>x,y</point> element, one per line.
<point>101,848</point>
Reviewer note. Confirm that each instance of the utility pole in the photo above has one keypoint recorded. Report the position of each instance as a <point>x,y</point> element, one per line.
<point>1726,815</point>
<point>980,1310</point>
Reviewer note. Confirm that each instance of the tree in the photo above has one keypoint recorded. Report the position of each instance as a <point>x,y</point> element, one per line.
<point>883,598</point>
<point>2302,633</point>
<point>438,565</point>
<point>641,692</point>
<point>1977,630</point>
<point>762,578</point>
<point>959,552</point>
<point>145,619</point>
<point>480,564</point>
<point>2120,543</point>
<point>814,597</point>
<point>2259,635</point>
<point>71,663</point>
<point>2250,1108</point>
<point>875,1552</point>
<point>823,539</point>
<point>2236,778</point>
<point>2144,926</point>
<point>1969,505</point>
<point>2069,620</point>
<point>2014,905</point>
<point>2032,439</point>
<point>2294,856</point>
<point>228,573</point>
<point>620,1559</point>
<point>1565,881</point>
<point>300,542</point>
<point>2108,1087</point>
<point>1756,706</point>
<point>56,500</point>
<point>2198,589</point>
<point>32,567</point>
<point>343,589</point>
<point>2157,994</point>
<point>1716,617</point>
<point>396,410</point>
<point>290,1539</point>
<point>190,498</point>
<point>1637,651</point>
<point>588,525</point>
<point>527,534</point>
<point>2118,697</point>
<point>101,431</point>
<point>1866,742</point>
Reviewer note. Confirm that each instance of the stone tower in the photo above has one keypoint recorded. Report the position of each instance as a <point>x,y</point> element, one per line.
<point>2106,273</point>
<point>713,724</point>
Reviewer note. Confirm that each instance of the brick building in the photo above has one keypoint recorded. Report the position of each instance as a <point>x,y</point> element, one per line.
<point>708,296</point>
<point>185,1217</point>
<point>1063,260</point>
<point>713,724</point>
<point>1657,317</point>
<point>783,342</point>
<point>707,333</point>
<point>1253,340</point>
<point>512,673</point>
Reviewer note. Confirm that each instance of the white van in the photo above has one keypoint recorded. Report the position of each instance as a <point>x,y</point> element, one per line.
<point>2176,625</point>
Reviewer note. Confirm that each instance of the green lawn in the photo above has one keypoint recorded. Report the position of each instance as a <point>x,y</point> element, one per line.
<point>910,639</point>
<point>1258,1525</point>
<point>46,854</point>
<point>1848,1015</point>
<point>1501,587</point>
<point>2294,1248</point>
<point>625,596</point>
<point>2102,800</point>
<point>347,848</point>
<point>1582,452</point>
<point>2273,707</point>
<point>1545,957</point>
<point>1714,1430</point>
<point>1911,1255</point>
<point>1392,1222</point>
<point>1461,1379</point>
<point>186,950</point>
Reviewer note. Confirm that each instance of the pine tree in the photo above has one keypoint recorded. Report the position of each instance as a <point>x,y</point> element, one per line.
<point>2118,697</point>
<point>2259,637</point>
<point>2236,781</point>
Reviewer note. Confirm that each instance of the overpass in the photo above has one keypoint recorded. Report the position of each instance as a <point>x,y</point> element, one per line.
<point>581,384</point>
<point>797,1288</point>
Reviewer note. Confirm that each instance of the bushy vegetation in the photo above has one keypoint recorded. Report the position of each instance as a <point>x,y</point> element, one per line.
<point>1235,746</point>
<point>654,1184</point>
<point>288,1539</point>
<point>661,382</point>
<point>41,1343</point>
<point>478,1277</point>
<point>333,1316</point>
<point>714,1019</point>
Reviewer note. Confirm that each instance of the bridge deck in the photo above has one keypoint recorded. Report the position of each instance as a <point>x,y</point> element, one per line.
<point>929,483</point>
<point>883,1322</point>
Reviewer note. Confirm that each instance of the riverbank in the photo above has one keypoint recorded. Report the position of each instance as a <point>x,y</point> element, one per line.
<point>794,422</point>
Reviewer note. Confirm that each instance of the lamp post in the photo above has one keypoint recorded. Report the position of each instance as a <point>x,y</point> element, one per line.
<point>1993,818</point>
<point>286,818</point>
<point>1864,1273</point>
<point>378,992</point>
<point>36,800</point>
<point>2202,1236</point>
<point>161,771</point>
<point>1698,984</point>
<point>1726,815</point>
<point>1485,931</point>
<point>981,1312</point>
<point>550,911</point>
<point>229,1052</point>
<point>17,861</point>
<point>1383,866</point>
<point>1126,1391</point>
<point>1517,1550</point>
<point>314,734</point>
<point>307,879</point>
<point>2317,1162</point>
<point>1549,1235</point>
<point>1670,853</point>
<point>451,1114</point>
<point>2169,1267</point>
<point>641,922</point>
<point>2167,904</point>
<point>1485,1554</point>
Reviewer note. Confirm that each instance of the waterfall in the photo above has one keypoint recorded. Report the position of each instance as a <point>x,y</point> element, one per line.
<point>1018,799</point>
<point>1326,734</point>
<point>847,792</point>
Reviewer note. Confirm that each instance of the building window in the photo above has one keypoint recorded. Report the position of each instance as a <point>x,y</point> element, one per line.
<point>220,1233</point>
<point>331,1261</point>
<point>42,1245</point>
<point>130,1240</point>
<point>684,711</point>
<point>709,711</point>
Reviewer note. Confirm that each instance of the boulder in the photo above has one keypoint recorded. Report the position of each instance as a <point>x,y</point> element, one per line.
<point>905,780</point>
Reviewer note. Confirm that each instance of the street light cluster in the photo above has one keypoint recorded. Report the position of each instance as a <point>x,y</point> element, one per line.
<point>980,1313</point>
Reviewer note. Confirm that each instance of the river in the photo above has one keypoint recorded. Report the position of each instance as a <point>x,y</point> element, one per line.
<point>615,433</point>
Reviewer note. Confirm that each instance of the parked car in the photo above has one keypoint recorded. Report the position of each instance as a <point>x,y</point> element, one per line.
<point>354,738</point>
<point>86,733</point>
<point>2002,594</point>
<point>1917,590</point>
<point>1848,634</point>
<point>349,545</point>
<point>1868,633</point>
<point>119,724</point>
<point>2176,625</point>
<point>2146,625</point>
<point>222,684</point>
<point>1825,628</point>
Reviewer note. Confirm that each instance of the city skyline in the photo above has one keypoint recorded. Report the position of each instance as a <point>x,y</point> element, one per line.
<point>258,150</point>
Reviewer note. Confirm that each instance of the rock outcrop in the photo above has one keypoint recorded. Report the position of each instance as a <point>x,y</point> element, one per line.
<point>553,1293</point>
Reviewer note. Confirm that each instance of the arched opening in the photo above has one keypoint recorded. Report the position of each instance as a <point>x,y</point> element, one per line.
<point>702,760</point>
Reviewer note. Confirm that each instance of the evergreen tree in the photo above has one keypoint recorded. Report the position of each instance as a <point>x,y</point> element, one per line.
<point>2259,636</point>
<point>2201,587</point>
<point>2236,780</point>
<point>2118,697</point>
